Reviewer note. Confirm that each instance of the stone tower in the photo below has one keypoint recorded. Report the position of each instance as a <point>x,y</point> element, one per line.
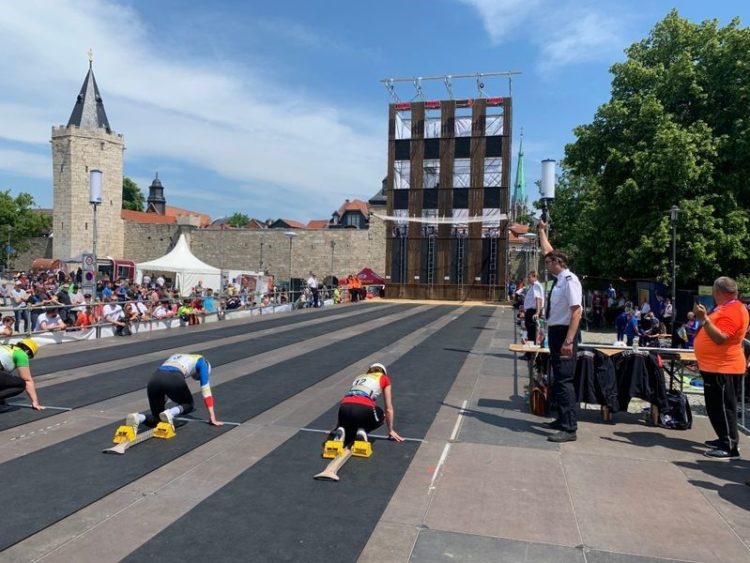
<point>87,143</point>
<point>156,202</point>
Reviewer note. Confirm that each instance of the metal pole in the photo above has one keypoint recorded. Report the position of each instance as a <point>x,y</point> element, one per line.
<point>673,216</point>
<point>7,251</point>
<point>290,269</point>
<point>94,245</point>
<point>333,245</point>
<point>260,265</point>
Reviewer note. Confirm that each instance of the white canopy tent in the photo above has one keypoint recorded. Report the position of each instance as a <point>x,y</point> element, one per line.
<point>188,269</point>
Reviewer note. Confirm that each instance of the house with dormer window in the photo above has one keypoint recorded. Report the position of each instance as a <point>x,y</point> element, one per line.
<point>353,214</point>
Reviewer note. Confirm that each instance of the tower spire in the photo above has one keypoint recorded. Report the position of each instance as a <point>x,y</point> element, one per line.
<point>88,113</point>
<point>519,188</point>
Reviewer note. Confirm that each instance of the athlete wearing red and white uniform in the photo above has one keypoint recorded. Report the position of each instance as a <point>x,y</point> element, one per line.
<point>359,411</point>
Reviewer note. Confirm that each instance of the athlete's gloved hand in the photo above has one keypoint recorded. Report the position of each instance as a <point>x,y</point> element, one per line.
<point>395,436</point>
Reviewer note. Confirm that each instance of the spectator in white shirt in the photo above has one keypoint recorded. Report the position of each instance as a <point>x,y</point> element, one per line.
<point>113,313</point>
<point>162,311</point>
<point>50,320</point>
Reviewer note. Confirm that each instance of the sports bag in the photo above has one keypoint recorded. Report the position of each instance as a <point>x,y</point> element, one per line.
<point>677,415</point>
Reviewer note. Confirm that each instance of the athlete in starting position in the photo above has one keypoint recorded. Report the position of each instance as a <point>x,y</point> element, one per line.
<point>15,357</point>
<point>359,412</point>
<point>169,381</point>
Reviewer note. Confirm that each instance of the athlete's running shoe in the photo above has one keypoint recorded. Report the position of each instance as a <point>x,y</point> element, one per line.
<point>166,416</point>
<point>361,435</point>
<point>339,434</point>
<point>133,420</point>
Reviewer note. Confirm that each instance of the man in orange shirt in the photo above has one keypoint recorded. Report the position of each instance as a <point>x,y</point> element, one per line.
<point>718,349</point>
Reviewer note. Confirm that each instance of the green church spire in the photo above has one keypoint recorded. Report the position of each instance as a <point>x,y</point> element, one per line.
<point>519,191</point>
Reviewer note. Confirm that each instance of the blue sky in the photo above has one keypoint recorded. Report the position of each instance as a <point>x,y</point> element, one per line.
<point>275,109</point>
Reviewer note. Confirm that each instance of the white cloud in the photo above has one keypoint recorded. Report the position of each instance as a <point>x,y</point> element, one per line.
<point>564,32</point>
<point>220,115</point>
<point>588,37</point>
<point>503,17</point>
<point>23,163</point>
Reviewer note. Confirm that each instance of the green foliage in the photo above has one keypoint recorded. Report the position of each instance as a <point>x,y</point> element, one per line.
<point>238,219</point>
<point>675,132</point>
<point>25,223</point>
<point>132,196</point>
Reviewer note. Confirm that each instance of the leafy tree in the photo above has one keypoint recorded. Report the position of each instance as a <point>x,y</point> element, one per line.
<point>18,214</point>
<point>238,219</point>
<point>675,132</point>
<point>132,196</point>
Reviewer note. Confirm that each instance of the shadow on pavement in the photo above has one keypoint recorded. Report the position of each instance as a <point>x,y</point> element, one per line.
<point>508,423</point>
<point>654,439</point>
<point>736,472</point>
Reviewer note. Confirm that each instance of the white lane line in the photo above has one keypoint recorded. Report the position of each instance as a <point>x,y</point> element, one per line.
<point>189,419</point>
<point>443,457</point>
<point>446,449</point>
<point>459,418</point>
<point>27,406</point>
<point>378,436</point>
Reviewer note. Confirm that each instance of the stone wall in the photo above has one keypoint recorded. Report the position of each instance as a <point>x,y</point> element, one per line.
<point>146,241</point>
<point>40,247</point>
<point>268,249</point>
<point>246,249</point>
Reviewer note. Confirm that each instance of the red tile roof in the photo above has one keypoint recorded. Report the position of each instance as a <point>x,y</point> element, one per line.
<point>293,224</point>
<point>317,224</point>
<point>170,216</point>
<point>143,217</point>
<point>354,205</point>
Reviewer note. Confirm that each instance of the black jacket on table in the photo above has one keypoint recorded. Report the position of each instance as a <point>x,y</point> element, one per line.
<point>639,375</point>
<point>595,382</point>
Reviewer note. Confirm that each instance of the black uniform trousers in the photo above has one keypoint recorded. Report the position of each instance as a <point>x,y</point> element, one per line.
<point>563,374</point>
<point>528,317</point>
<point>719,390</point>
<point>10,385</point>
<point>167,384</point>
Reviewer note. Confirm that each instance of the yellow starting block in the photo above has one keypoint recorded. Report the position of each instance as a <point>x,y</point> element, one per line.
<point>124,433</point>
<point>361,449</point>
<point>332,449</point>
<point>164,430</point>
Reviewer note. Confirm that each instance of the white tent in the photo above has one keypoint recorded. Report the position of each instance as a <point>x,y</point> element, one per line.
<point>189,270</point>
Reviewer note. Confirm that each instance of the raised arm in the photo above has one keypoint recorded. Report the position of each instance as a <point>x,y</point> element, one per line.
<point>543,239</point>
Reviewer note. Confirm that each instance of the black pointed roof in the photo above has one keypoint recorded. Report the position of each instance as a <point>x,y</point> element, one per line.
<point>89,109</point>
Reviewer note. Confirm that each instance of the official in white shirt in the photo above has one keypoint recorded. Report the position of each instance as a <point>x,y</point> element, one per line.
<point>533,306</point>
<point>563,318</point>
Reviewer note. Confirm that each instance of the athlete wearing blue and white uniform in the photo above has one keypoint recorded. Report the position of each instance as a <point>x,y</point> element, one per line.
<point>170,381</point>
<point>359,412</point>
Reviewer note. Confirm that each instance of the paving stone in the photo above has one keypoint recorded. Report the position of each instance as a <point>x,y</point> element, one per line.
<point>433,546</point>
<point>646,508</point>
<point>516,493</point>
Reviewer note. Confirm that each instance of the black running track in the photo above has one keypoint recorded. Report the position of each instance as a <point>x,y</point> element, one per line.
<point>50,484</point>
<point>101,386</point>
<point>275,511</point>
<point>127,349</point>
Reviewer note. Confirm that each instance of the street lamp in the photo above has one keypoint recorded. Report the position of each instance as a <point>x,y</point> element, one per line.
<point>291,235</point>
<point>673,213</point>
<point>8,249</point>
<point>333,245</point>
<point>260,265</point>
